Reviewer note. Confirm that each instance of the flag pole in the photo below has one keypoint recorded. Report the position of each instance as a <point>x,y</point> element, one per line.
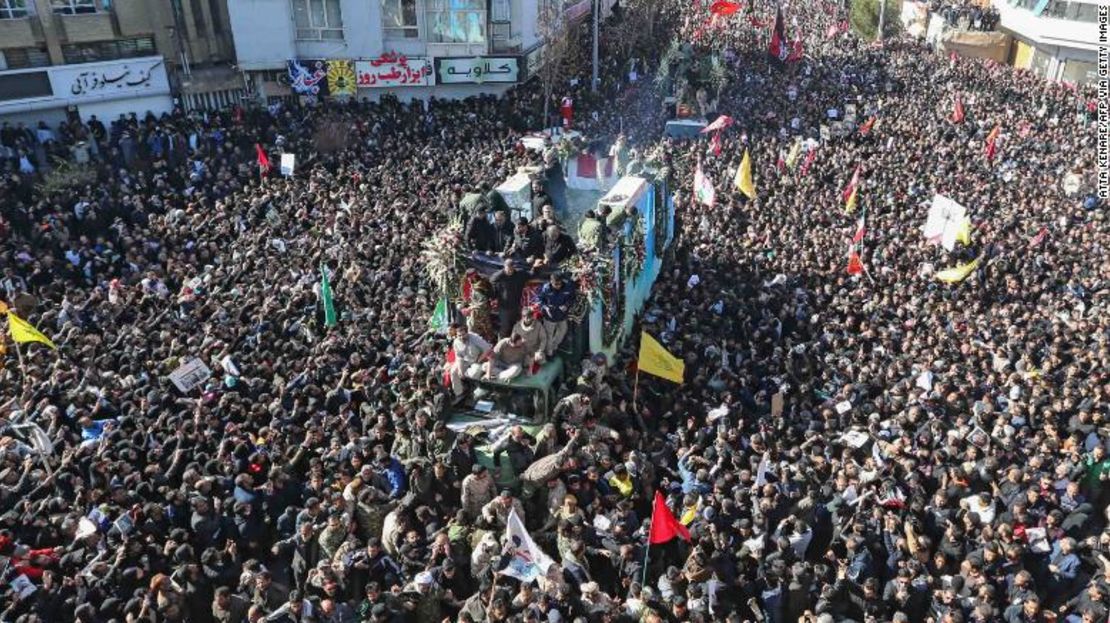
<point>636,391</point>
<point>647,550</point>
<point>22,369</point>
<point>868,273</point>
<point>493,589</point>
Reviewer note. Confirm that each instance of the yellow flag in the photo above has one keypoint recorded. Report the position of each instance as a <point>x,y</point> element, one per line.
<point>743,180</point>
<point>959,273</point>
<point>850,206</point>
<point>654,359</point>
<point>963,234</point>
<point>22,331</point>
<point>795,151</point>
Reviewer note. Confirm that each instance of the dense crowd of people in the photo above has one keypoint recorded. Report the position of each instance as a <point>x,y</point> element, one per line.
<point>966,15</point>
<point>874,447</point>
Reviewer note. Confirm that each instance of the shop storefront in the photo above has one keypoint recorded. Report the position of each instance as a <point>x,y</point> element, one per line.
<point>107,90</point>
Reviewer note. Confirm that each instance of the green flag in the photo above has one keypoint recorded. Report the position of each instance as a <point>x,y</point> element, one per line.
<point>439,320</point>
<point>330,319</point>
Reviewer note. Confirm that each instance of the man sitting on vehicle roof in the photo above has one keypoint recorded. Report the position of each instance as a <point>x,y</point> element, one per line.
<point>471,351</point>
<point>508,360</point>
<point>535,338</point>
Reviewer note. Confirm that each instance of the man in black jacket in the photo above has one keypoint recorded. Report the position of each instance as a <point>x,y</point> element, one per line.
<point>306,552</point>
<point>527,242</point>
<point>557,247</point>
<point>508,284</point>
<point>501,233</point>
<point>479,231</point>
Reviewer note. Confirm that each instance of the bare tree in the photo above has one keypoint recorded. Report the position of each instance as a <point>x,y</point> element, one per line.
<point>556,37</point>
<point>634,28</point>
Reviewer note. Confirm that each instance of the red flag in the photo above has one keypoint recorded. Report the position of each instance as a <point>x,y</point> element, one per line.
<point>587,165</point>
<point>263,162</point>
<point>719,123</point>
<point>796,51</point>
<point>847,192</point>
<point>855,265</point>
<point>450,362</point>
<point>865,129</point>
<point>664,526</point>
<point>780,164</point>
<point>992,139</point>
<point>1039,238</point>
<point>724,7</point>
<point>861,229</point>
<point>811,155</point>
<point>756,22</point>
<point>715,143</point>
<point>958,111</point>
<point>777,47</point>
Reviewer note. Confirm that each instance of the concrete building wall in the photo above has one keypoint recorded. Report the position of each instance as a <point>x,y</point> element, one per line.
<point>263,33</point>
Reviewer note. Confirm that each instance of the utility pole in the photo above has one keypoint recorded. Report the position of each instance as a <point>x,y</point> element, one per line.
<point>593,78</point>
<point>882,18</point>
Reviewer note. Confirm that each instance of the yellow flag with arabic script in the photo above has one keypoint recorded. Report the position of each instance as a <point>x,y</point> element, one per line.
<point>959,273</point>
<point>655,360</point>
<point>743,181</point>
<point>23,331</point>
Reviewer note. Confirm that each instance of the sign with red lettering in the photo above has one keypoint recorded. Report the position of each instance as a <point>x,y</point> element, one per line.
<point>395,70</point>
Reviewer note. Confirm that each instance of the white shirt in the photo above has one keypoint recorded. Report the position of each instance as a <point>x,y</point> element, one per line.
<point>986,513</point>
<point>470,349</point>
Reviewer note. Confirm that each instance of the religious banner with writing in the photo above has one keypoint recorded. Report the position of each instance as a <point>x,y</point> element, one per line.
<point>308,77</point>
<point>395,70</point>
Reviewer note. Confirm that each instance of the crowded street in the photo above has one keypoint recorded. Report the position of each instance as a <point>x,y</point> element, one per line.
<point>869,382</point>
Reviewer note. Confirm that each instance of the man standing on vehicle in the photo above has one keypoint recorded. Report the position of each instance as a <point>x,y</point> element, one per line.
<point>556,298</point>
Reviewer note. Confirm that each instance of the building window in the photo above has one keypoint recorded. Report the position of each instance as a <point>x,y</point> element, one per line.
<point>318,19</point>
<point>73,7</point>
<point>1082,12</point>
<point>456,21</point>
<point>399,19</point>
<point>25,85</point>
<point>13,9</point>
<point>24,58</point>
<point>108,50</point>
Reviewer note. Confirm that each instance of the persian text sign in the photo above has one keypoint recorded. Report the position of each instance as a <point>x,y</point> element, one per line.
<point>131,78</point>
<point>394,70</point>
<point>477,70</point>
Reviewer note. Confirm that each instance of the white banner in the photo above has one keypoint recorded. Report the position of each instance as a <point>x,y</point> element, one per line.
<point>136,77</point>
<point>393,70</point>
<point>190,374</point>
<point>476,70</point>
<point>288,163</point>
<point>526,561</point>
<point>942,226</point>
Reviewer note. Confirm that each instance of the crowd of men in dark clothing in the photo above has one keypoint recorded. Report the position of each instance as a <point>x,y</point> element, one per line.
<point>881,446</point>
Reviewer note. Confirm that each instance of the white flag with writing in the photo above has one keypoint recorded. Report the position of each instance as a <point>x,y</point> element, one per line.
<point>526,562</point>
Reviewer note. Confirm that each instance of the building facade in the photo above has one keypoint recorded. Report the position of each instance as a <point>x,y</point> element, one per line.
<point>409,48</point>
<point>1056,39</point>
<point>109,57</point>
